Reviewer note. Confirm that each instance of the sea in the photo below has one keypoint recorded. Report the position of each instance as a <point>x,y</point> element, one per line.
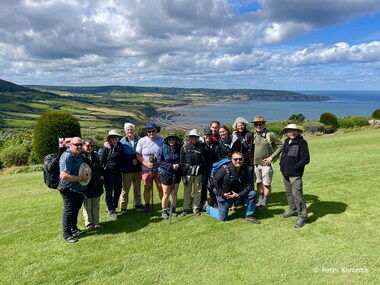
<point>342,104</point>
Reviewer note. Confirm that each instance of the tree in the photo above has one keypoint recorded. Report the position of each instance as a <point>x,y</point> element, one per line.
<point>297,118</point>
<point>376,114</point>
<point>330,121</point>
<point>49,127</point>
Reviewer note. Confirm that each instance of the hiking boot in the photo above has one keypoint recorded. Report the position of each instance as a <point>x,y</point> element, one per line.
<point>140,207</point>
<point>287,215</point>
<point>196,212</point>
<point>146,210</point>
<point>90,228</point>
<point>174,213</point>
<point>184,212</point>
<point>98,226</point>
<point>77,232</point>
<point>252,220</point>
<point>164,214</point>
<point>300,223</point>
<point>112,215</point>
<point>261,207</point>
<point>71,239</point>
<point>123,211</point>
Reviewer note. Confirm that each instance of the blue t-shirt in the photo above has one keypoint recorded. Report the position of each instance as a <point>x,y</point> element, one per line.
<point>69,162</point>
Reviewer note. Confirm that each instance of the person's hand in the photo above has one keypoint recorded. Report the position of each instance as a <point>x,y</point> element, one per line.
<point>134,162</point>
<point>268,160</point>
<point>175,166</point>
<point>149,165</point>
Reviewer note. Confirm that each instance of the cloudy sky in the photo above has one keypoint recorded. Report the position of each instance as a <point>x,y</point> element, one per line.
<point>271,44</point>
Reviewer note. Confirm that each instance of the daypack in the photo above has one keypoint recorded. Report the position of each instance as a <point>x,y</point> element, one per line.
<point>51,170</point>
<point>215,168</point>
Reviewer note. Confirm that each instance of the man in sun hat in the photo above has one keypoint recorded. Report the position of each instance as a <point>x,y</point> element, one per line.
<point>267,147</point>
<point>295,155</point>
<point>193,165</point>
<point>147,150</point>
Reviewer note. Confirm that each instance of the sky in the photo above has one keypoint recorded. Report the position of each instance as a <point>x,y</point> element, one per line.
<point>265,44</point>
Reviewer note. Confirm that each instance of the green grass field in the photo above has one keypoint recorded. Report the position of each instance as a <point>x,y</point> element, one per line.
<point>338,245</point>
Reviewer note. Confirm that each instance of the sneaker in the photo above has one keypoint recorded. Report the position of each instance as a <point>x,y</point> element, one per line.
<point>123,211</point>
<point>140,207</point>
<point>196,212</point>
<point>164,214</point>
<point>98,226</point>
<point>71,239</point>
<point>90,228</point>
<point>112,215</point>
<point>287,215</point>
<point>261,207</point>
<point>252,220</point>
<point>146,210</point>
<point>174,213</point>
<point>184,212</point>
<point>77,232</point>
<point>300,223</point>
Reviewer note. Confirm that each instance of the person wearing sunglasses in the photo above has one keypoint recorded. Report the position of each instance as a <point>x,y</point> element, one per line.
<point>267,147</point>
<point>146,153</point>
<point>169,170</point>
<point>91,205</point>
<point>72,189</point>
<point>232,183</point>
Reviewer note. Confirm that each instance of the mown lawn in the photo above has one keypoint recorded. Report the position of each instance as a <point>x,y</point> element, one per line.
<point>338,245</point>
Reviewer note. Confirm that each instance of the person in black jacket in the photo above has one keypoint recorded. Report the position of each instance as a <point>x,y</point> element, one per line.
<point>111,159</point>
<point>295,155</point>
<point>91,205</point>
<point>231,183</point>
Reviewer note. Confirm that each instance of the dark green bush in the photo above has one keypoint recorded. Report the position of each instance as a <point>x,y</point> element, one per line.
<point>313,127</point>
<point>361,121</point>
<point>297,118</point>
<point>376,114</point>
<point>351,122</point>
<point>276,127</point>
<point>330,121</point>
<point>49,127</point>
<point>14,156</point>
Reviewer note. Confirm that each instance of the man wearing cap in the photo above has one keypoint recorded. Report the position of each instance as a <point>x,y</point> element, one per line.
<point>71,188</point>
<point>146,153</point>
<point>111,159</point>
<point>265,143</point>
<point>193,165</point>
<point>131,169</point>
<point>295,156</point>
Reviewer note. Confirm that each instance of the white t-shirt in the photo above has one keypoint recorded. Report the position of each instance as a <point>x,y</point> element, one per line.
<point>147,147</point>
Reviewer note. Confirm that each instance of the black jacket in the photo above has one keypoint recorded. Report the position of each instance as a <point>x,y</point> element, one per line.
<point>294,157</point>
<point>95,186</point>
<point>112,159</point>
<point>192,155</point>
<point>229,180</point>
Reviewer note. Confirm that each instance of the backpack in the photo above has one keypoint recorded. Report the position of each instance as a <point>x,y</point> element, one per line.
<point>215,167</point>
<point>51,170</point>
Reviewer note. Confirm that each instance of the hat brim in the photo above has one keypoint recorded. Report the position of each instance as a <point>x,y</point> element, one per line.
<point>158,129</point>
<point>168,137</point>
<point>257,122</point>
<point>287,129</point>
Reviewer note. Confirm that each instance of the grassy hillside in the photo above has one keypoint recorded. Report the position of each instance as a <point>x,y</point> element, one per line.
<point>338,245</point>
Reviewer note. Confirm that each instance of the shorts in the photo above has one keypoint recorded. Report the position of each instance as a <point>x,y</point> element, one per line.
<point>170,180</point>
<point>264,174</point>
<point>148,177</point>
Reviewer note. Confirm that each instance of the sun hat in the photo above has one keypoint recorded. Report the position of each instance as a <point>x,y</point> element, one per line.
<point>194,133</point>
<point>151,125</point>
<point>258,119</point>
<point>292,127</point>
<point>112,133</point>
<point>172,135</point>
<point>207,132</point>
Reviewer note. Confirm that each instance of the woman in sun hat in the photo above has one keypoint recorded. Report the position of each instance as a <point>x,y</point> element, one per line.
<point>112,162</point>
<point>146,153</point>
<point>170,172</point>
<point>295,155</point>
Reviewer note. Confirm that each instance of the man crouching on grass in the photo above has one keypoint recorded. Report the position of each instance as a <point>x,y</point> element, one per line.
<point>231,183</point>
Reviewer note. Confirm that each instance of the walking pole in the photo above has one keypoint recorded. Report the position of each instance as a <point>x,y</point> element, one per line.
<point>171,204</point>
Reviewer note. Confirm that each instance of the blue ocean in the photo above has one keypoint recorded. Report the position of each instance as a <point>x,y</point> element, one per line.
<point>342,104</point>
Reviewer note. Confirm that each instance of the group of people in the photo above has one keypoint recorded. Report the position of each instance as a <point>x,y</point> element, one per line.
<point>218,171</point>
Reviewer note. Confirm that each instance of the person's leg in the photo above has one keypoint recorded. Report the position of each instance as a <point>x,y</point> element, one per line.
<point>299,199</point>
<point>251,203</point>
<point>220,213</point>
<point>187,194</point>
<point>204,192</point>
<point>127,181</point>
<point>197,185</point>
<point>147,178</point>
<point>67,213</point>
<point>117,189</point>
<point>173,198</point>
<point>166,189</point>
<point>259,184</point>
<point>137,189</point>
<point>289,195</point>
<point>157,180</point>
<point>77,201</point>
<point>95,210</point>
<point>267,173</point>
<point>108,185</point>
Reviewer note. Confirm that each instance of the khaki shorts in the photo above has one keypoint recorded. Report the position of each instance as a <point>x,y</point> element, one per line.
<point>264,174</point>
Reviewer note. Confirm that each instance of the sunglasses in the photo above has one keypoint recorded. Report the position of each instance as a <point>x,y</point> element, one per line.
<point>89,145</point>
<point>238,159</point>
<point>77,144</point>
<point>151,132</point>
<point>258,125</point>
<point>171,139</point>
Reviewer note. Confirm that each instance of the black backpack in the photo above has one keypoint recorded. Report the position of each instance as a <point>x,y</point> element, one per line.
<point>51,170</point>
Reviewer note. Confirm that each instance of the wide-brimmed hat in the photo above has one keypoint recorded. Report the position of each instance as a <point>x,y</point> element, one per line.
<point>113,133</point>
<point>207,132</point>
<point>258,120</point>
<point>172,135</point>
<point>292,127</point>
<point>194,133</point>
<point>152,125</point>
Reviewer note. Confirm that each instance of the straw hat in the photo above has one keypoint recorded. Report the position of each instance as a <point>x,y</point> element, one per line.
<point>194,133</point>
<point>258,120</point>
<point>292,127</point>
<point>113,133</point>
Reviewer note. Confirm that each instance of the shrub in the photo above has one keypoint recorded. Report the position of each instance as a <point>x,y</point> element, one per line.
<point>330,121</point>
<point>351,122</point>
<point>376,114</point>
<point>14,156</point>
<point>49,127</point>
<point>276,127</point>
<point>313,127</point>
<point>361,121</point>
<point>297,118</point>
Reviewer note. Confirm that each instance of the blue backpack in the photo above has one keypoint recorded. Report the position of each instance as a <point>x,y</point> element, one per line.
<point>216,166</point>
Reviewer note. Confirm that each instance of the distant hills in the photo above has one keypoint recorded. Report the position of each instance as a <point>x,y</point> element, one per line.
<point>112,106</point>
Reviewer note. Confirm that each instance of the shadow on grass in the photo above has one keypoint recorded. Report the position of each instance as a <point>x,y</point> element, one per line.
<point>323,208</point>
